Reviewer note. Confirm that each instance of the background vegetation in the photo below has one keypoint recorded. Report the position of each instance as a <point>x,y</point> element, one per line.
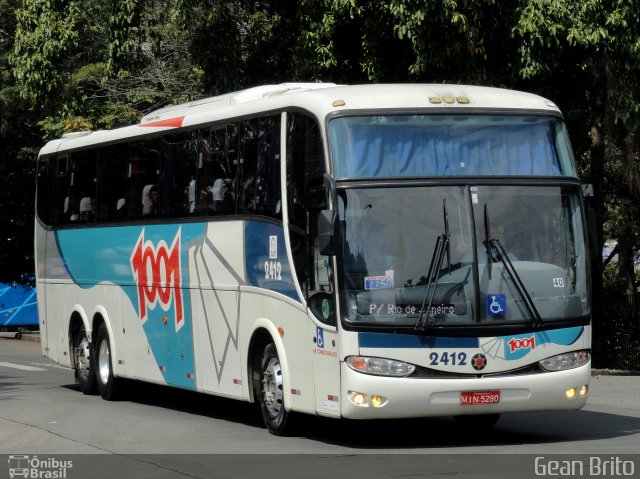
<point>88,64</point>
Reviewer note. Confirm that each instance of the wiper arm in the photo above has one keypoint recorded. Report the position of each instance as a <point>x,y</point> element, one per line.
<point>435,269</point>
<point>433,276</point>
<point>495,245</point>
<point>487,236</point>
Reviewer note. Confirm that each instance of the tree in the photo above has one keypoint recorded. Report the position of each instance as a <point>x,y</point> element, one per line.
<point>19,143</point>
<point>598,44</point>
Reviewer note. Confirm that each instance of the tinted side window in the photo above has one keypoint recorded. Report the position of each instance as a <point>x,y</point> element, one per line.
<point>83,186</point>
<point>179,169</point>
<point>305,167</point>
<point>260,167</point>
<point>62,207</point>
<point>113,178</point>
<point>44,188</point>
<point>144,182</point>
<point>305,162</point>
<point>217,170</point>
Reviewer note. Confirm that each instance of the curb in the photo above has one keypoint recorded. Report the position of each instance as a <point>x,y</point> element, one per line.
<point>25,336</point>
<point>613,372</point>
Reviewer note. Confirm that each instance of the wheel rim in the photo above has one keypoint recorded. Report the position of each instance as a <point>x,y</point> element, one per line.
<point>272,388</point>
<point>104,362</point>
<point>82,359</point>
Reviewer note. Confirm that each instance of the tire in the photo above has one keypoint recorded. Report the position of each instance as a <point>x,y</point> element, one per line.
<point>271,393</point>
<point>477,422</point>
<point>107,383</point>
<point>84,362</point>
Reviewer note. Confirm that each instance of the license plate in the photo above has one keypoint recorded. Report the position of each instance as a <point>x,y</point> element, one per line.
<point>479,398</point>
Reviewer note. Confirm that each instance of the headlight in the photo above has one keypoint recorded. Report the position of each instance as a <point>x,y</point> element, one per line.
<point>380,366</point>
<point>566,361</point>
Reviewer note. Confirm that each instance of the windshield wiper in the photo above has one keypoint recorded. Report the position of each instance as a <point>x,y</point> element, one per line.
<point>440,250</point>
<point>494,245</point>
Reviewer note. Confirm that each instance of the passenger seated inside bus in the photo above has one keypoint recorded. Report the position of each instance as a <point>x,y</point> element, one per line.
<point>222,196</point>
<point>87,209</point>
<point>150,197</point>
<point>120,209</point>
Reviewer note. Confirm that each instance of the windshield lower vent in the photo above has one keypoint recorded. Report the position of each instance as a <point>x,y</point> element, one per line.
<point>426,373</point>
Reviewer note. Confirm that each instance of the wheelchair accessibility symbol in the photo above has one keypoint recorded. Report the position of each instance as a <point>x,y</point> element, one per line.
<point>496,305</point>
<point>319,337</point>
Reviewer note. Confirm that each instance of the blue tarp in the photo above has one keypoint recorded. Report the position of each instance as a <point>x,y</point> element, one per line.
<point>365,150</point>
<point>18,306</point>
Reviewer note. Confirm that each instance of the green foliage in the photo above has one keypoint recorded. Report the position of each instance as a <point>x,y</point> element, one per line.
<point>79,64</point>
<point>45,36</point>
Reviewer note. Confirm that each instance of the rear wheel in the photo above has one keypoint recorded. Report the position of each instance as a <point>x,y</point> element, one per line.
<point>84,361</point>
<point>271,393</point>
<point>107,383</point>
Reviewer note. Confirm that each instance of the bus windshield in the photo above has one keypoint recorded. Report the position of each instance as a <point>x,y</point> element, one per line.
<point>464,254</point>
<point>449,145</point>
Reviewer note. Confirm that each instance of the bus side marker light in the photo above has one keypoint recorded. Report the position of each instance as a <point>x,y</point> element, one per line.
<point>281,331</point>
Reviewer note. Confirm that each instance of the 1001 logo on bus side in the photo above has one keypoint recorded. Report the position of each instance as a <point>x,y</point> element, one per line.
<point>156,271</point>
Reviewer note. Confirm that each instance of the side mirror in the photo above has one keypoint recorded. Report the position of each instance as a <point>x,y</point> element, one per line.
<point>326,232</point>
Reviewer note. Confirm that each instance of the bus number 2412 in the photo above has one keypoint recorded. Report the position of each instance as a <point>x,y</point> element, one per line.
<point>446,358</point>
<point>273,270</point>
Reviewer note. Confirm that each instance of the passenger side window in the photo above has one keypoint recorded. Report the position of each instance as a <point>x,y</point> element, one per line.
<point>82,196</point>
<point>62,208</point>
<point>113,174</point>
<point>305,166</point>
<point>144,195</point>
<point>259,177</point>
<point>44,189</point>
<point>217,171</point>
<point>179,169</point>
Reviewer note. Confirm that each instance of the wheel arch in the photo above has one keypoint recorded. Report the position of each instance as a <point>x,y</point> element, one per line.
<point>77,321</point>
<point>101,316</point>
<point>264,332</point>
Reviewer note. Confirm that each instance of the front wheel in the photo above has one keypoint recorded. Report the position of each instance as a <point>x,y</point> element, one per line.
<point>271,393</point>
<point>84,362</point>
<point>107,382</point>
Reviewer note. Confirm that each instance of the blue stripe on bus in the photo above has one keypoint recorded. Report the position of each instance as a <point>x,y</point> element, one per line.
<point>92,256</point>
<point>406,341</point>
<point>267,263</point>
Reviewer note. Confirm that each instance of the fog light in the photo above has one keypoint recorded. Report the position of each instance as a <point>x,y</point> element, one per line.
<point>570,393</point>
<point>359,399</point>
<point>584,390</point>
<point>377,401</point>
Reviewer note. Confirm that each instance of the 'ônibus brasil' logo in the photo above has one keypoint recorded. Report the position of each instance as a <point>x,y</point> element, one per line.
<point>156,270</point>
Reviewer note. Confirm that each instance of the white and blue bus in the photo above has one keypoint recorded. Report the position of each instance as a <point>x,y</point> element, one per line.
<point>366,252</point>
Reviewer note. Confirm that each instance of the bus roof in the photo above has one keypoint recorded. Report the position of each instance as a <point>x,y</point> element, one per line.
<point>320,99</point>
